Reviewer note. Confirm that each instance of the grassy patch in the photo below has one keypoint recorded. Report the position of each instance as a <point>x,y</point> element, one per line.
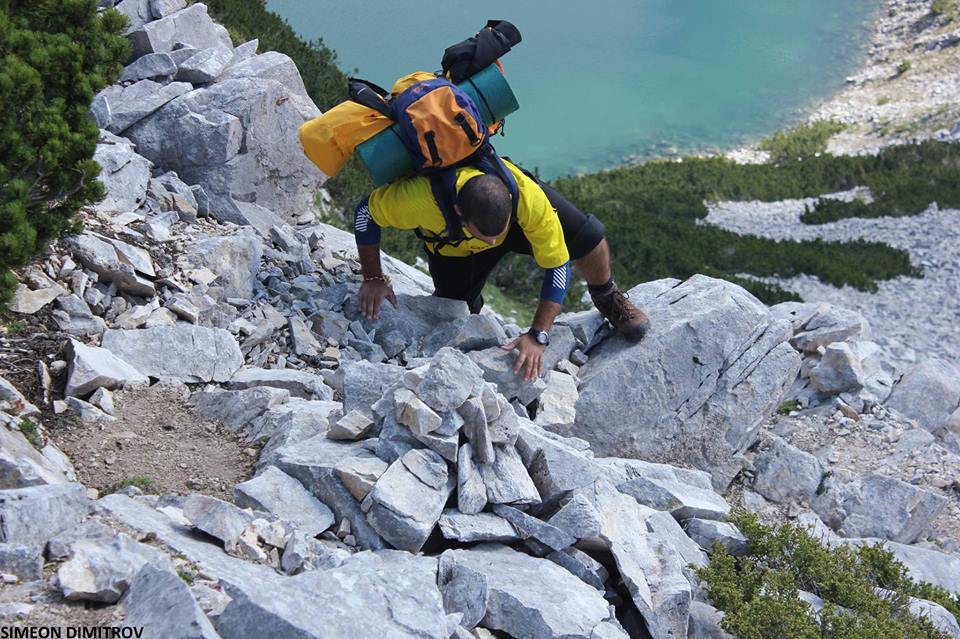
<point>788,407</point>
<point>804,140</point>
<point>903,67</point>
<point>31,432</point>
<point>883,99</point>
<point>187,576</point>
<point>759,592</point>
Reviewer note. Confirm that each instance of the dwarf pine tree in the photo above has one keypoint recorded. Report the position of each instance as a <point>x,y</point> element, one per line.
<point>54,57</point>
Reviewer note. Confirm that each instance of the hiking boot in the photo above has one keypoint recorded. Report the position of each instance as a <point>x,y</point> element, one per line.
<point>629,320</point>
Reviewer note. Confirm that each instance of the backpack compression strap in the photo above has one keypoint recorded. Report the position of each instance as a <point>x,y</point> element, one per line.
<point>444,187</point>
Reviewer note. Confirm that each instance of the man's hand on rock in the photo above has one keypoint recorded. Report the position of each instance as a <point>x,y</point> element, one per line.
<point>372,293</point>
<point>531,355</point>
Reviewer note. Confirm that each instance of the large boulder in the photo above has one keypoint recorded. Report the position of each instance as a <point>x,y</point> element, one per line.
<point>929,393</point>
<point>182,351</point>
<point>502,589</point>
<point>34,514</point>
<point>124,173</point>
<point>191,26</point>
<point>160,603</point>
<point>238,140</point>
<point>234,259</point>
<point>696,390</point>
<point>92,368</point>
<point>386,594</point>
<point>125,106</point>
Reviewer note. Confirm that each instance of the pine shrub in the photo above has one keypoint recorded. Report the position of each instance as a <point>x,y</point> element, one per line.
<point>56,55</point>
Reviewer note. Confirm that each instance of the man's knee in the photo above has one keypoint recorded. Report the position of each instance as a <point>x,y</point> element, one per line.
<point>587,238</point>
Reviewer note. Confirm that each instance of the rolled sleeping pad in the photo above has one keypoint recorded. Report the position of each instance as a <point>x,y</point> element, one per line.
<point>384,154</point>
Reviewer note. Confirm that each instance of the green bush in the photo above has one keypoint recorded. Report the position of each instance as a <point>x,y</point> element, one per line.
<point>802,141</point>
<point>56,55</point>
<point>758,592</point>
<point>903,67</point>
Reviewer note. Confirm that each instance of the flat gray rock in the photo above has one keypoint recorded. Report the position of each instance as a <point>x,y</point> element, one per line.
<point>784,472</point>
<point>873,505</point>
<point>706,533</point>
<point>234,259</point>
<point>699,385</point>
<point>160,602</point>
<point>34,514</point>
<point>929,392</point>
<point>151,66</point>
<point>388,594</point>
<point>183,352</point>
<point>450,380</point>
<point>139,100</point>
<point>507,480</point>
<point>236,409</point>
<point>479,527</point>
<point>102,571</point>
<point>525,596</point>
<point>23,561</point>
<point>531,527</point>
<point>299,383</point>
<point>314,463</point>
<point>205,66</point>
<point>408,499</point>
<point>275,492</point>
<point>22,465</point>
<point>191,26</point>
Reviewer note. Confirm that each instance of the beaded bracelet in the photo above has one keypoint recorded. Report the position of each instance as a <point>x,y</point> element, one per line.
<point>377,278</point>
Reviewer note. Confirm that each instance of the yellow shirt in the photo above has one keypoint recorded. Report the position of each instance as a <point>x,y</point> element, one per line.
<point>409,204</point>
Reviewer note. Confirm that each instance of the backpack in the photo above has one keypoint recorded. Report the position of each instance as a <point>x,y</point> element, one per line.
<point>441,127</point>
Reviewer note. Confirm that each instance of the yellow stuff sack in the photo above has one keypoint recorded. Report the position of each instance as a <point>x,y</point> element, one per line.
<point>329,140</point>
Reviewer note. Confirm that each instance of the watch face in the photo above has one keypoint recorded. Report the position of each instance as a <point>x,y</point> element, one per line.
<point>541,337</point>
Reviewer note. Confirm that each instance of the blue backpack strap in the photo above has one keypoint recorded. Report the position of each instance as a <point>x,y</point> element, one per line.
<point>444,187</point>
<point>490,162</point>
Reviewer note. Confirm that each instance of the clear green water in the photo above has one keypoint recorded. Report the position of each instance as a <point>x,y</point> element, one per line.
<point>601,83</point>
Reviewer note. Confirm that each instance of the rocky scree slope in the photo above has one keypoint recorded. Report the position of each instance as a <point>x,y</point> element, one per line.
<point>407,483</point>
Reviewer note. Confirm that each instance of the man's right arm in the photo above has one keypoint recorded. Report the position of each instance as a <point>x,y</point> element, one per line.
<point>375,286</point>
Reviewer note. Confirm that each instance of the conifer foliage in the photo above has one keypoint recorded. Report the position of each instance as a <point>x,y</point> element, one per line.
<point>54,57</point>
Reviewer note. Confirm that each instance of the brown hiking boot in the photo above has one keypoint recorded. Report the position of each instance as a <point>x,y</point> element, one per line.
<point>629,320</point>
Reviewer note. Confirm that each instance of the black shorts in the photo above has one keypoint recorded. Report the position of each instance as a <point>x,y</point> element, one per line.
<point>463,278</point>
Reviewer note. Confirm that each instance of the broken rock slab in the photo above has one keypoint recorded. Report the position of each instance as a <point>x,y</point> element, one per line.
<point>315,462</point>
<point>191,26</point>
<point>479,527</point>
<point>408,499</point>
<point>92,368</point>
<point>182,352</point>
<point>298,383</point>
<point>218,519</point>
<point>929,393</point>
<point>712,369</point>
<point>784,472</point>
<point>278,493</point>
<point>34,514</point>
<point>524,596</point>
<point>160,603</point>
<point>102,571</point>
<point>873,505</point>
<point>386,594</point>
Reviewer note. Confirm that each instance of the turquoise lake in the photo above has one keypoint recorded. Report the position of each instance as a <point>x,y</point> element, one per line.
<point>601,84</point>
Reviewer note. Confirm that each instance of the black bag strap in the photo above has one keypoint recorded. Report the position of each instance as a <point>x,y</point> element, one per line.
<point>466,58</point>
<point>369,95</point>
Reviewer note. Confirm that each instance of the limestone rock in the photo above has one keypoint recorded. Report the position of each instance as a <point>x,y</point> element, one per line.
<point>160,602</point>
<point>478,527</point>
<point>152,66</point>
<point>390,594</point>
<point>217,518</point>
<point>316,462</point>
<point>450,380</point>
<point>236,409</point>
<point>22,561</point>
<point>22,465</point>
<point>275,492</point>
<point>524,596</point>
<point>28,302</point>
<point>839,370</point>
<point>191,26</point>
<point>706,533</point>
<point>297,383</point>
<point>183,352</point>
<point>205,65</point>
<point>102,571</point>
<point>784,472</point>
<point>352,426</point>
<point>124,173</point>
<point>698,387</point>
<point>137,101</point>
<point>873,505</point>
<point>929,393</point>
<point>34,514</point>
<point>471,491</point>
<point>507,480</point>
<point>233,259</point>
<point>92,368</point>
<point>408,499</point>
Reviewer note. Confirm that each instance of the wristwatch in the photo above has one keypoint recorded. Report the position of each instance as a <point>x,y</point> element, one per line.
<point>541,336</point>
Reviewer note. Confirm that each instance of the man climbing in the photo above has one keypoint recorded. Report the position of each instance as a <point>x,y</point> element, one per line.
<point>545,225</point>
